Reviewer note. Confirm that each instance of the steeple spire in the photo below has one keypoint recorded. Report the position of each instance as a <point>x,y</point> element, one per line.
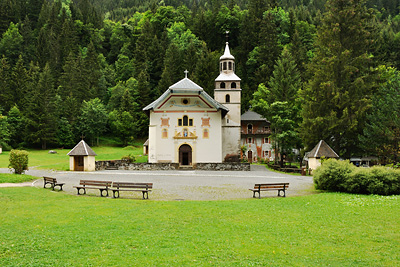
<point>227,54</point>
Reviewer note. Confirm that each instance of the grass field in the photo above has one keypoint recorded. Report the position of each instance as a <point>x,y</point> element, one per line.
<point>41,227</point>
<point>14,178</point>
<point>41,159</point>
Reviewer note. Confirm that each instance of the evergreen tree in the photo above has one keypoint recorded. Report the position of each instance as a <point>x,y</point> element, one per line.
<point>15,122</point>
<point>280,104</point>
<point>339,92</point>
<point>11,44</point>
<point>6,93</point>
<point>40,114</point>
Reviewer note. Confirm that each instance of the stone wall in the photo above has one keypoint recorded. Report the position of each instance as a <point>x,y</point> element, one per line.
<point>124,165</point>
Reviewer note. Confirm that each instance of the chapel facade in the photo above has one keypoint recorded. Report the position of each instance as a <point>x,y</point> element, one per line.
<point>188,126</point>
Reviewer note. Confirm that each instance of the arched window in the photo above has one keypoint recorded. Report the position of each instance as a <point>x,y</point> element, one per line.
<point>227,98</point>
<point>222,85</point>
<point>185,120</point>
<point>224,65</point>
<point>250,128</point>
<point>230,65</point>
<point>233,85</point>
<point>220,66</point>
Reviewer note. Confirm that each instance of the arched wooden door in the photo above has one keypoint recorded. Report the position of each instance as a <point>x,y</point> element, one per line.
<point>250,156</point>
<point>185,155</point>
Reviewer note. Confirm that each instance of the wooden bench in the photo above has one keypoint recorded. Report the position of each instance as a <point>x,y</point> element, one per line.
<point>281,187</point>
<point>103,186</point>
<point>52,182</point>
<point>125,186</point>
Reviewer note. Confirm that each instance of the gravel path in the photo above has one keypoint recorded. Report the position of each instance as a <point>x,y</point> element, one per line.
<point>186,185</point>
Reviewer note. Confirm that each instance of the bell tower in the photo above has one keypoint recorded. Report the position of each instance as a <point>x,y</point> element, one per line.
<point>227,92</point>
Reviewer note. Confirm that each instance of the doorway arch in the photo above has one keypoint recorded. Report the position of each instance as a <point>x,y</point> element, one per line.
<point>185,155</point>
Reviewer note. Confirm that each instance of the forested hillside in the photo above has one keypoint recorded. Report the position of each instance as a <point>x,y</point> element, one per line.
<point>316,70</point>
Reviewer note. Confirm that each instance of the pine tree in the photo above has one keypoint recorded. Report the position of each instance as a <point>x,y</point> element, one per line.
<point>339,92</point>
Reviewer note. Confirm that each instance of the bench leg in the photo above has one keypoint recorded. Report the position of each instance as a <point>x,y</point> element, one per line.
<point>115,195</point>
<point>147,194</point>
<point>101,192</point>
<point>279,192</point>
<point>84,191</point>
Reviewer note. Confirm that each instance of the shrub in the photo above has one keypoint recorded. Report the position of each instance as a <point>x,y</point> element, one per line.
<point>129,158</point>
<point>18,161</point>
<point>332,175</point>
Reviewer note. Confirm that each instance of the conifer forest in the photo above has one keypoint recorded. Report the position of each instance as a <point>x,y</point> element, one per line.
<point>316,69</point>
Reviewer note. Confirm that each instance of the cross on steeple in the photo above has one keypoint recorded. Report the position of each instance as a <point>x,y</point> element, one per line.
<point>186,73</point>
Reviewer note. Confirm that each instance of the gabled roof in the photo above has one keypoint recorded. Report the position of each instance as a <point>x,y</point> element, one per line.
<point>322,149</point>
<point>252,116</point>
<point>227,54</point>
<point>186,86</point>
<point>82,149</point>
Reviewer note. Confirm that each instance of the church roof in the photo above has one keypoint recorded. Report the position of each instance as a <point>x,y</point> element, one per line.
<point>227,54</point>
<point>82,149</point>
<point>252,116</point>
<point>227,77</point>
<point>187,86</point>
<point>322,149</point>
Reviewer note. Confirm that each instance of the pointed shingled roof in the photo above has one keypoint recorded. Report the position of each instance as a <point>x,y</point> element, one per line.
<point>322,149</point>
<point>82,149</point>
<point>227,54</point>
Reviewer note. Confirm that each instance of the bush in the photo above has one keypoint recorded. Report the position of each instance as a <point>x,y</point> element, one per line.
<point>334,175</point>
<point>129,158</point>
<point>18,161</point>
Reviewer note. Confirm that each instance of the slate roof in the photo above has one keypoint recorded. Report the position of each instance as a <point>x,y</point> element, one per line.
<point>252,116</point>
<point>322,149</point>
<point>82,149</point>
<point>227,77</point>
<point>187,86</point>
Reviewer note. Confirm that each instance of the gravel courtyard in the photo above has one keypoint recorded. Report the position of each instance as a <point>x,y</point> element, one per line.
<point>186,185</point>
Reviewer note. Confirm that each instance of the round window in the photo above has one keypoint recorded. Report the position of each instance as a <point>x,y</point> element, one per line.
<point>185,101</point>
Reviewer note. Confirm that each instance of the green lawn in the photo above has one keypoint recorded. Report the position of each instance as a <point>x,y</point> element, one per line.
<point>15,178</point>
<point>41,227</point>
<point>41,159</point>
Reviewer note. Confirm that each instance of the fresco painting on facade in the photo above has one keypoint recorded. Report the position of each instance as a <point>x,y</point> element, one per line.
<point>204,129</point>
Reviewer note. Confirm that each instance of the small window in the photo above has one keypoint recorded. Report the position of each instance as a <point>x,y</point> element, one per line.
<point>249,128</point>
<point>233,85</point>
<point>266,140</point>
<point>222,85</point>
<point>185,120</point>
<point>230,65</point>
<point>220,67</point>
<point>164,133</point>
<point>249,140</point>
<point>224,65</point>
<point>227,99</point>
<point>190,122</point>
<point>185,101</point>
<point>205,133</point>
<point>179,122</point>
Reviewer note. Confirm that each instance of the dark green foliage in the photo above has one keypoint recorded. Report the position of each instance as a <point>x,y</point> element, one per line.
<point>18,161</point>
<point>342,176</point>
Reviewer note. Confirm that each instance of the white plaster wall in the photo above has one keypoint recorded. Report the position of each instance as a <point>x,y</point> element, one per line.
<point>230,140</point>
<point>167,149</point>
<point>89,163</point>
<point>313,163</point>
<point>71,163</point>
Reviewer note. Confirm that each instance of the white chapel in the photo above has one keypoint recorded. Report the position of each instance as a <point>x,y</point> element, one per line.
<point>187,126</point>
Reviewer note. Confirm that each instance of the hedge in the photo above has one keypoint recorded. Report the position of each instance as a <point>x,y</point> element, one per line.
<point>342,176</point>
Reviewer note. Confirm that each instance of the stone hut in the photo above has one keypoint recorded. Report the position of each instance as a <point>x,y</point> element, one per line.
<point>322,149</point>
<point>82,158</point>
